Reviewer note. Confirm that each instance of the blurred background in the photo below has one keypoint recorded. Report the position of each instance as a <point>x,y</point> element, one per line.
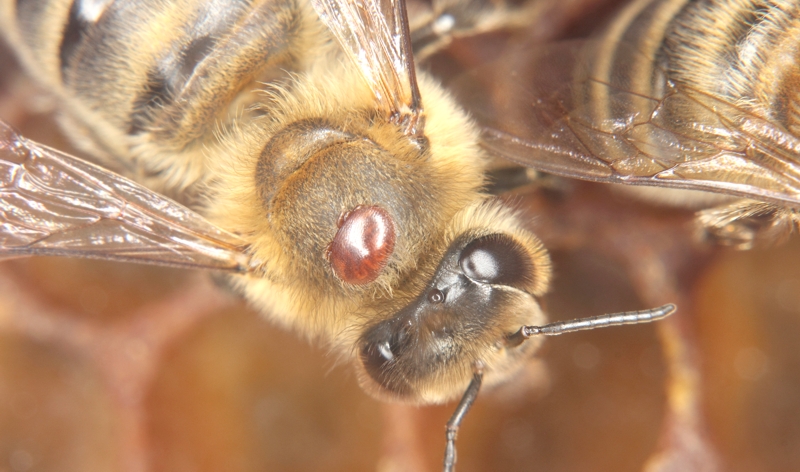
<point>119,367</point>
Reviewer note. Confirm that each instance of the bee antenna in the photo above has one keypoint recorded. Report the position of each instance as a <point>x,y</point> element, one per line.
<point>552,329</point>
<point>461,411</point>
<point>602,321</point>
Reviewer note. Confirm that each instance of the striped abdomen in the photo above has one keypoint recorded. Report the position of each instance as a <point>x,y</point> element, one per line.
<point>686,72</point>
<point>152,79</point>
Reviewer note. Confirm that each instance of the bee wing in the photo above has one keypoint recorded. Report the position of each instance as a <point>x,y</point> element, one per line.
<point>375,36</point>
<point>547,110</point>
<point>52,203</point>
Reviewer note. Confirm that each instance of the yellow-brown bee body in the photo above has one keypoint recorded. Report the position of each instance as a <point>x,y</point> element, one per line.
<point>253,114</point>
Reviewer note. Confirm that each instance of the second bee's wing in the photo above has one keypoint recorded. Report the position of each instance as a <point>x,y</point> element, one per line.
<point>547,110</point>
<point>375,36</point>
<point>52,203</point>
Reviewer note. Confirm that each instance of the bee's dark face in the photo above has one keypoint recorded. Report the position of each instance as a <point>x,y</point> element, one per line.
<point>481,292</point>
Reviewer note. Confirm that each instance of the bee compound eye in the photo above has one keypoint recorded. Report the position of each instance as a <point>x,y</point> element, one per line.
<point>362,245</point>
<point>496,259</point>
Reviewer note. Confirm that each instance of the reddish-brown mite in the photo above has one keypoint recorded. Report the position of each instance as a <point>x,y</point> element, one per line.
<point>363,244</point>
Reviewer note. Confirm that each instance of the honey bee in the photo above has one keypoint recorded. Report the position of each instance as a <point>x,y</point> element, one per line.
<point>343,196</point>
<point>676,94</point>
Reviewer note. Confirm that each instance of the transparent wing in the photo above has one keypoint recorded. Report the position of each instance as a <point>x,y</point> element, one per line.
<point>375,35</point>
<point>545,110</point>
<point>55,204</point>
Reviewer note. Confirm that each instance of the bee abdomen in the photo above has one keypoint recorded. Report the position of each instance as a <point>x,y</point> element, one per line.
<point>189,87</point>
<point>664,66</point>
<point>167,68</point>
<point>745,56</point>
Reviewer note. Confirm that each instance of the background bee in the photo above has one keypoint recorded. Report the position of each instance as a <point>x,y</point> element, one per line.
<point>688,95</point>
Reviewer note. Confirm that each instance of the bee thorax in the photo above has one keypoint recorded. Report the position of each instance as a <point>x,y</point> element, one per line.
<point>312,172</point>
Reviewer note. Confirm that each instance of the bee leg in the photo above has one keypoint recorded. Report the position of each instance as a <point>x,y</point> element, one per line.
<point>745,224</point>
<point>503,179</point>
<point>455,421</point>
<point>449,20</point>
<point>225,284</point>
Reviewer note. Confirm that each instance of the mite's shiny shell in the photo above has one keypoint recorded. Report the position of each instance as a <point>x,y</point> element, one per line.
<point>362,246</point>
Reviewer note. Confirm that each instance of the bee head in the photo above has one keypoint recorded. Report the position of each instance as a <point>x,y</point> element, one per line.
<point>482,291</point>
